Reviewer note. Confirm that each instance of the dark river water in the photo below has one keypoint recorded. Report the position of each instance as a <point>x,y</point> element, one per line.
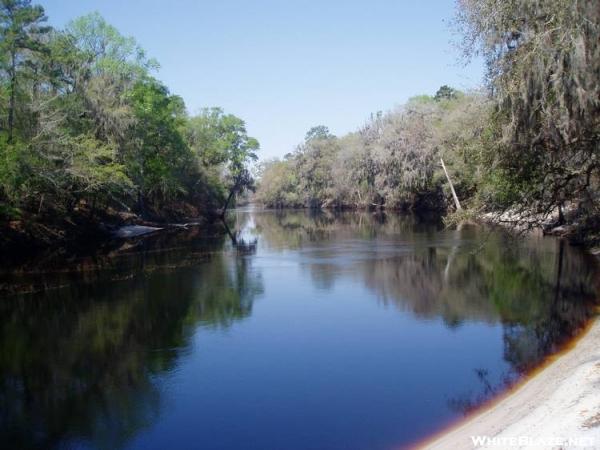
<point>295,331</point>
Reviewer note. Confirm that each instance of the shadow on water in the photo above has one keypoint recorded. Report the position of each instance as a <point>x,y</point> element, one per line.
<point>83,349</point>
<point>78,361</point>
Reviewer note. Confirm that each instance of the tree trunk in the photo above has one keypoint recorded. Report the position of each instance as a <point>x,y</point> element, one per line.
<point>561,216</point>
<point>13,88</point>
<point>231,194</point>
<point>456,202</point>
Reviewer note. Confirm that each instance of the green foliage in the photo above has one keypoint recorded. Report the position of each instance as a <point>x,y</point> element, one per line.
<point>82,122</point>
<point>95,169</point>
<point>158,157</point>
<point>21,39</point>
<point>221,139</point>
<point>278,185</point>
<point>211,134</point>
<point>420,99</point>
<point>318,132</point>
<point>9,169</point>
<point>105,51</point>
<point>500,190</point>
<point>445,93</point>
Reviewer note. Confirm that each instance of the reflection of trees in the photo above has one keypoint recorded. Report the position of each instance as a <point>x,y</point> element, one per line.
<point>417,282</point>
<point>468,403</point>
<point>568,296</point>
<point>432,272</point>
<point>298,229</point>
<point>78,363</point>
<point>541,291</point>
<point>227,291</point>
<point>115,260</point>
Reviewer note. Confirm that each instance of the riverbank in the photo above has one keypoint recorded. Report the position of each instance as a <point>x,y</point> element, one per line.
<point>559,401</point>
<point>570,224</point>
<point>80,229</point>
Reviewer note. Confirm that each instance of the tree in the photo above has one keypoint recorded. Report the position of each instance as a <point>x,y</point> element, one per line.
<point>318,132</point>
<point>393,161</point>
<point>314,160</point>
<point>241,153</point>
<point>21,34</point>
<point>106,51</point>
<point>221,139</point>
<point>109,65</point>
<point>278,185</point>
<point>85,129</point>
<point>158,157</point>
<point>445,93</point>
<point>77,125</point>
<point>543,61</point>
<point>211,134</point>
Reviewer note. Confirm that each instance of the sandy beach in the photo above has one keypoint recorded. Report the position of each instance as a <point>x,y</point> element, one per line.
<point>557,407</point>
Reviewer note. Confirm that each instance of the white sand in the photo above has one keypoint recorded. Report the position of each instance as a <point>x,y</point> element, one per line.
<point>562,401</point>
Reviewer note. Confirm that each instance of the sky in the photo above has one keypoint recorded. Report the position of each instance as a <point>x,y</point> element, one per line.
<point>287,65</point>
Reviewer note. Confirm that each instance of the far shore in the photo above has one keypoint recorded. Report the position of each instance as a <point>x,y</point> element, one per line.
<point>557,403</point>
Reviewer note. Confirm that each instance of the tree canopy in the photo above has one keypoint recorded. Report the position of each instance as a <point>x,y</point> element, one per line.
<point>85,128</point>
<point>392,161</point>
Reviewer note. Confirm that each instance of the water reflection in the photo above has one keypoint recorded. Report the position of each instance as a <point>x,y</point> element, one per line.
<point>86,362</point>
<point>542,291</point>
<point>78,364</point>
<point>458,275</point>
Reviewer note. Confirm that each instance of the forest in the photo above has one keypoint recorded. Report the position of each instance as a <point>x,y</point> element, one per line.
<point>525,147</point>
<point>88,135</point>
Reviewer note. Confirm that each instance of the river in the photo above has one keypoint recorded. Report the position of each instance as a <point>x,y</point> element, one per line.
<point>296,330</point>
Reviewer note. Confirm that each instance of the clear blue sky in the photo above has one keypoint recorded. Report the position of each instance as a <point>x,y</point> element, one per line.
<point>284,66</point>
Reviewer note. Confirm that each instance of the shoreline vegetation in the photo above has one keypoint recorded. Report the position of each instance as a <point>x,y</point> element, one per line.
<point>90,141</point>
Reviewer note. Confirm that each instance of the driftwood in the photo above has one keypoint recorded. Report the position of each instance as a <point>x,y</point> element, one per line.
<point>130,231</point>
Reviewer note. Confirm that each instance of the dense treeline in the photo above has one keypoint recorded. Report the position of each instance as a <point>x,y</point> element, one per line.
<point>393,161</point>
<point>86,131</point>
<point>529,143</point>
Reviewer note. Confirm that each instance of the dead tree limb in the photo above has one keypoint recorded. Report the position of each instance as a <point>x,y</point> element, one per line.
<point>456,201</point>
